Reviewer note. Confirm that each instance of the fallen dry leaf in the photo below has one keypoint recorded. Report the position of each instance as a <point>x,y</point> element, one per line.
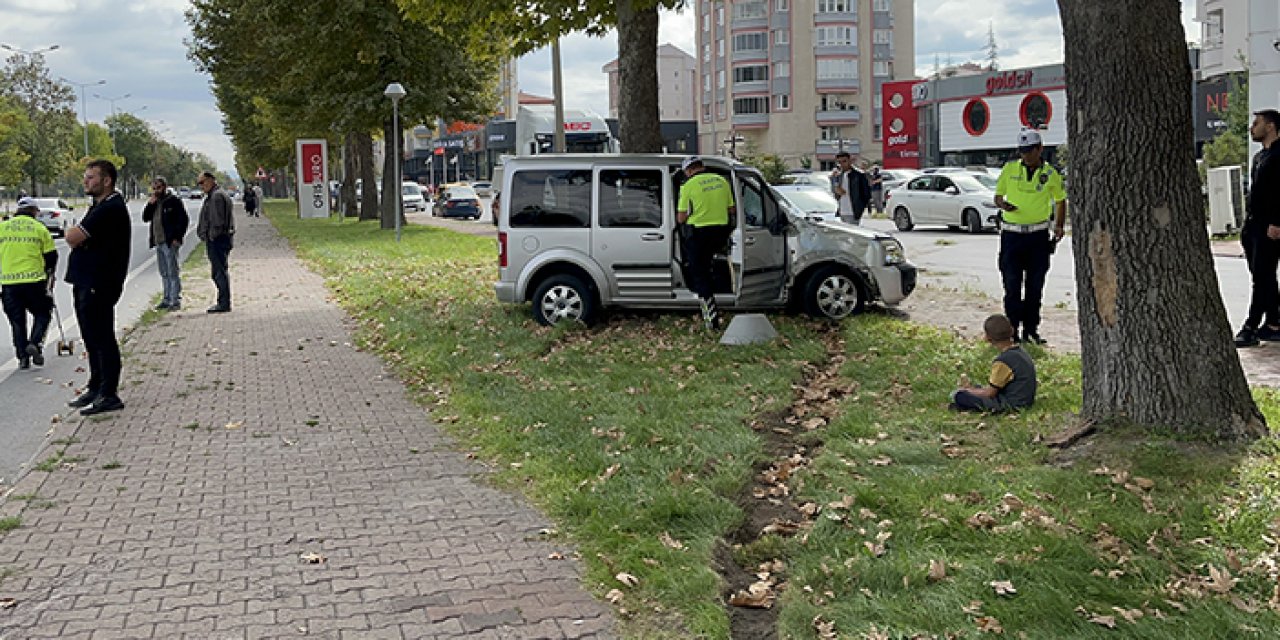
<point>1106,621</point>
<point>882,461</point>
<point>937,570</point>
<point>627,579</point>
<point>555,555</point>
<point>614,596</point>
<point>669,542</point>
<point>988,624</point>
<point>973,608</point>
<point>981,520</point>
<point>311,557</point>
<point>759,595</point>
<point>826,630</point>
<point>235,425</point>
<point>1220,580</point>
<point>8,603</point>
<point>1003,587</point>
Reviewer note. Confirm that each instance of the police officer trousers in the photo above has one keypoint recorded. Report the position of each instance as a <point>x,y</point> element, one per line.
<point>701,246</point>
<point>21,299</point>
<point>1024,262</point>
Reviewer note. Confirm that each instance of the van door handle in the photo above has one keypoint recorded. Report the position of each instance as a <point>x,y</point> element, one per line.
<point>748,241</point>
<point>652,236</point>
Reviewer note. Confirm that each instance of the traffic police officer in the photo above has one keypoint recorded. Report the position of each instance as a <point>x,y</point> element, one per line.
<point>27,262</point>
<point>1029,192</point>
<point>706,202</point>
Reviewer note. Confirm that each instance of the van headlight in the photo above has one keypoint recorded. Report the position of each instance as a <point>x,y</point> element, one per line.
<point>893,253</point>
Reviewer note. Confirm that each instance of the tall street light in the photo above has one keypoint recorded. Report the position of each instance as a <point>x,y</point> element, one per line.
<point>52,47</point>
<point>84,114</point>
<point>396,92</point>
<point>113,101</point>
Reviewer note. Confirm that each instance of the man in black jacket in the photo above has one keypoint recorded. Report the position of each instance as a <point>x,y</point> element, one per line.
<point>1261,233</point>
<point>168,218</point>
<point>852,189</point>
<point>216,228</point>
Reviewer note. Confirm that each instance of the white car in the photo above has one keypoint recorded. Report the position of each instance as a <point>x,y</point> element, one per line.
<point>483,189</point>
<point>412,196</point>
<point>55,214</point>
<point>807,178</point>
<point>811,202</point>
<point>953,200</point>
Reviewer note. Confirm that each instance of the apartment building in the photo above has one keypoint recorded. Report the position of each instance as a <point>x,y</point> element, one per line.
<point>1224,36</point>
<point>799,78</point>
<point>677,84</point>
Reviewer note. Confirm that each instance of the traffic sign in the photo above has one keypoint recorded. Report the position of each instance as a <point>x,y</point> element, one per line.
<point>261,174</point>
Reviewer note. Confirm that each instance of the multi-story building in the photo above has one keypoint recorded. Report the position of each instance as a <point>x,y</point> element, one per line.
<point>1224,36</point>
<point>799,78</point>
<point>677,84</point>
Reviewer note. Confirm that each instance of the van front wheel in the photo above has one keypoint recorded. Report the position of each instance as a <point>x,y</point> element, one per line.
<point>564,299</point>
<point>833,293</point>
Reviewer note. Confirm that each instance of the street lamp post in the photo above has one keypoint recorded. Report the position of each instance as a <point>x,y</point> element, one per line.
<point>84,114</point>
<point>733,141</point>
<point>396,92</point>
<point>36,52</point>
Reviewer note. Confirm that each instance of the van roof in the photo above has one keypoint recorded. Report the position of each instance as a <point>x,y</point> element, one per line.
<point>642,158</point>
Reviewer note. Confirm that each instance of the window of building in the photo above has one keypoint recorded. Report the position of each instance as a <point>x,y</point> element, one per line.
<point>706,113</point>
<point>550,199</point>
<point>720,47</point>
<point>837,68</point>
<point>1035,110</point>
<point>720,110</point>
<point>782,101</point>
<point>782,36</point>
<point>976,117</point>
<point>630,198</point>
<point>706,22</point>
<point>706,82</point>
<point>759,104</point>
<point>833,6</point>
<point>784,5</point>
<point>881,5</point>
<point>882,36</point>
<point>829,134</point>
<point>706,53</point>
<point>782,69</point>
<point>750,42</point>
<point>720,79</point>
<point>834,36</point>
<point>753,73</point>
<point>752,10</point>
<point>719,14</point>
<point>882,68</point>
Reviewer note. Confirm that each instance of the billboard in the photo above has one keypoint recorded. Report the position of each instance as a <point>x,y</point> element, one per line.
<point>901,126</point>
<point>313,178</point>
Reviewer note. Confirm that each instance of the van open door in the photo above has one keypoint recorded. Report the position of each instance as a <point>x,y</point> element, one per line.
<point>759,253</point>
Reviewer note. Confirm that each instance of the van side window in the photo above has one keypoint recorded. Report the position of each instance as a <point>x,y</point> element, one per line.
<point>550,199</point>
<point>631,198</point>
<point>758,210</point>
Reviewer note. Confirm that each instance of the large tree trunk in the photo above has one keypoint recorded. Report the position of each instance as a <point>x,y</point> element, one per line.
<point>350,169</point>
<point>639,126</point>
<point>1156,344</point>
<point>368,179</point>
<point>390,175</point>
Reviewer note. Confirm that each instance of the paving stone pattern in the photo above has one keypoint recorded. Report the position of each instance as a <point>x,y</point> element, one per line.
<point>254,437</point>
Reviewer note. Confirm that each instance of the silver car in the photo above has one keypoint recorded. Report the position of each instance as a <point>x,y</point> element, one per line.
<point>580,233</point>
<point>55,214</point>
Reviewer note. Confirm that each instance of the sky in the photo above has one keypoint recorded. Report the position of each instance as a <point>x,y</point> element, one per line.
<point>139,48</point>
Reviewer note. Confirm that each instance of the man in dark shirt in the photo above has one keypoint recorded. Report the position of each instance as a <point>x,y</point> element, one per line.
<point>1012,383</point>
<point>216,228</point>
<point>1261,233</point>
<point>96,270</point>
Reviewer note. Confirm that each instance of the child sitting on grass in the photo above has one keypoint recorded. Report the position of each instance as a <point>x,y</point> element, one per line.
<point>1012,383</point>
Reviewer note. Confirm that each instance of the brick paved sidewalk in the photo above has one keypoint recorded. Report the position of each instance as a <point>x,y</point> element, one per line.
<point>249,439</point>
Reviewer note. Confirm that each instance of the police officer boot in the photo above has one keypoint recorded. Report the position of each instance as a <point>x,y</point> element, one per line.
<point>24,362</point>
<point>36,352</point>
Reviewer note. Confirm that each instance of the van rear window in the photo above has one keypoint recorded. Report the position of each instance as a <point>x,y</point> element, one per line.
<point>550,199</point>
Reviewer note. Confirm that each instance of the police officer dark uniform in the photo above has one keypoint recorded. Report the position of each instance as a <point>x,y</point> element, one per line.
<point>1030,192</point>
<point>706,202</point>
<point>27,262</point>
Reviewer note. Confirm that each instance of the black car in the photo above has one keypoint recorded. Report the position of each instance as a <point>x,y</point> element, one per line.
<point>459,202</point>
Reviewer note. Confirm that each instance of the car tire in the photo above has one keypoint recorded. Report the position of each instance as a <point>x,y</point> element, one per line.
<point>972,221</point>
<point>902,219</point>
<point>564,299</point>
<point>834,293</point>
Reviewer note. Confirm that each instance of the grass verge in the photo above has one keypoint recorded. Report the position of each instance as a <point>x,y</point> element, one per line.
<point>636,439</point>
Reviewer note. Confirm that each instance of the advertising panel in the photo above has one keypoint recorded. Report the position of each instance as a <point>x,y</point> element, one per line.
<point>902,126</point>
<point>313,178</point>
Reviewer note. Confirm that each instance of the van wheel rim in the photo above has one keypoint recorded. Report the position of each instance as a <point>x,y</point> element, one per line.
<point>837,296</point>
<point>562,303</point>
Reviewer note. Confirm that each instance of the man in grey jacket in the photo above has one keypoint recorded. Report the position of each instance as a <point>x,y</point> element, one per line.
<point>216,228</point>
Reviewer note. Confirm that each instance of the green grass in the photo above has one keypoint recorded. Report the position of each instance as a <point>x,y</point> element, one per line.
<point>641,428</point>
<point>9,524</point>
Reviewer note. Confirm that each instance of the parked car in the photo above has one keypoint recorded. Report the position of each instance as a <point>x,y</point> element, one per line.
<point>412,197</point>
<point>184,192</point>
<point>952,199</point>
<point>813,202</point>
<point>483,189</point>
<point>579,234</point>
<point>459,202</point>
<point>894,178</point>
<point>54,214</point>
<point>811,179</point>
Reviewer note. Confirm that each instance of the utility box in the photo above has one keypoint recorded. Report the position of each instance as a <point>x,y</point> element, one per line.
<point>1226,200</point>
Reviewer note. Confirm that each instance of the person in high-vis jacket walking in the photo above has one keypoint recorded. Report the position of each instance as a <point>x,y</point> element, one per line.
<point>1034,202</point>
<point>27,262</point>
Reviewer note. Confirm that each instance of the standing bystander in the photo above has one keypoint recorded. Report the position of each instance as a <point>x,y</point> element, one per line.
<point>216,229</point>
<point>1030,192</point>
<point>27,261</point>
<point>167,215</point>
<point>705,205</point>
<point>852,189</point>
<point>250,201</point>
<point>96,270</point>
<point>877,189</point>
<point>1261,233</point>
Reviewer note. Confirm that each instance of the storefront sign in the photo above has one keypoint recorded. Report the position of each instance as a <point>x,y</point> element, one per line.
<point>1010,81</point>
<point>313,178</point>
<point>901,126</point>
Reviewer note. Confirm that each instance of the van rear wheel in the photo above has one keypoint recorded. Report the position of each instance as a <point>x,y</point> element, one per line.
<point>833,293</point>
<point>564,299</point>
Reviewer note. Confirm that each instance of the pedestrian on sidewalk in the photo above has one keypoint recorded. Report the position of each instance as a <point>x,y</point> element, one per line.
<point>250,201</point>
<point>1012,382</point>
<point>852,189</point>
<point>169,221</point>
<point>1030,192</point>
<point>27,262</point>
<point>96,269</point>
<point>704,207</point>
<point>1260,234</point>
<point>877,189</point>
<point>216,229</point>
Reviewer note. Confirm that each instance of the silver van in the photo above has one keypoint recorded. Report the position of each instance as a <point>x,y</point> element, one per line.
<point>579,233</point>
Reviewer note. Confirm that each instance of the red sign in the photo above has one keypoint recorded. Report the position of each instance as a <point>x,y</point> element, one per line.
<point>901,126</point>
<point>577,126</point>
<point>261,173</point>
<point>1009,81</point>
<point>312,163</point>
<point>439,151</point>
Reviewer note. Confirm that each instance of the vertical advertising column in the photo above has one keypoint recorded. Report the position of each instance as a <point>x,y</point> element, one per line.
<point>313,178</point>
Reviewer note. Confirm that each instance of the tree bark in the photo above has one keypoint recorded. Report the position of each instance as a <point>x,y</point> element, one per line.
<point>347,203</point>
<point>639,125</point>
<point>368,179</point>
<point>1156,344</point>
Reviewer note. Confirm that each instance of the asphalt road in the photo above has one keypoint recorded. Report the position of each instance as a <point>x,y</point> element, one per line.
<point>29,399</point>
<point>968,261</point>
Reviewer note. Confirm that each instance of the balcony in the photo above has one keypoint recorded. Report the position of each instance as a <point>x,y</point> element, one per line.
<point>827,149</point>
<point>751,120</point>
<point>834,85</point>
<point>842,17</point>
<point>750,54</point>
<point>834,116</point>
<point>760,87</point>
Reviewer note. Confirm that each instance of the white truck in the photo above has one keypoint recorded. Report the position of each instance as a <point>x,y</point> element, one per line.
<point>584,131</point>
